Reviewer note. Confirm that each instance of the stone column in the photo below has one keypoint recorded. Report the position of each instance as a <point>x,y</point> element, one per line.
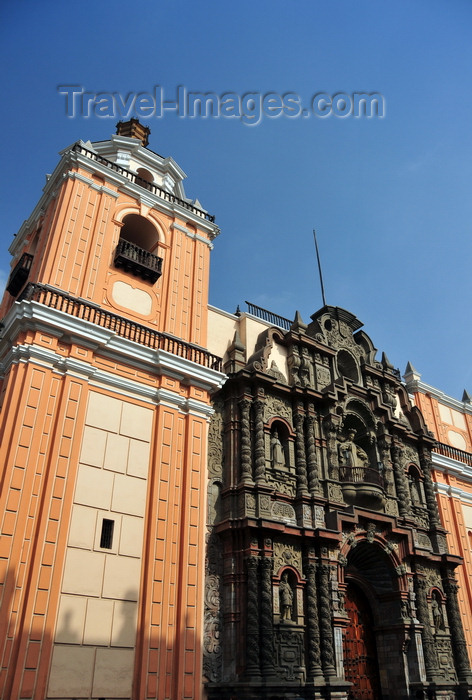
<point>429,647</point>
<point>314,670</point>
<point>459,644</point>
<point>267,628</point>
<point>252,619</point>
<point>330,429</point>
<point>313,480</point>
<point>300,457</point>
<point>245,442</point>
<point>425,459</point>
<point>326,626</point>
<point>259,448</point>
<point>404,504</point>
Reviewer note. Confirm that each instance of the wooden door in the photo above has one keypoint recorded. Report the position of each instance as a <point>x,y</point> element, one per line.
<point>360,656</point>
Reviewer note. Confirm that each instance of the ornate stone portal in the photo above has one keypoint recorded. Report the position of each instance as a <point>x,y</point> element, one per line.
<point>320,488</point>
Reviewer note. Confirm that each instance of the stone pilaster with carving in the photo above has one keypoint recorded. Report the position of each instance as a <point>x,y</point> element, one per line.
<point>267,629</point>
<point>314,670</point>
<point>401,483</point>
<point>312,466</point>
<point>433,512</point>
<point>300,457</point>
<point>252,618</point>
<point>429,648</point>
<point>259,444</point>
<point>245,442</point>
<point>212,625</point>
<point>459,644</point>
<point>294,362</point>
<point>331,432</point>
<point>326,627</point>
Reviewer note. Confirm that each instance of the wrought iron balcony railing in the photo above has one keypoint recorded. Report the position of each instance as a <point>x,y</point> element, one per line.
<point>56,299</point>
<point>19,274</point>
<point>138,261</point>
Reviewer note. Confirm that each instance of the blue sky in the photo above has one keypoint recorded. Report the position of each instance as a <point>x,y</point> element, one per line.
<point>389,198</point>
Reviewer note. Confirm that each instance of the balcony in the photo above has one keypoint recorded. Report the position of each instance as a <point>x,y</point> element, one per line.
<point>362,486</point>
<point>123,327</point>
<point>19,274</point>
<point>137,261</point>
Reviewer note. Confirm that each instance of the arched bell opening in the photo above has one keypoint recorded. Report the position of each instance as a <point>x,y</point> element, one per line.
<point>137,247</point>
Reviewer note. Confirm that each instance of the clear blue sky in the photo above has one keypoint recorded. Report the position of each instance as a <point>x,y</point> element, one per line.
<point>390,198</point>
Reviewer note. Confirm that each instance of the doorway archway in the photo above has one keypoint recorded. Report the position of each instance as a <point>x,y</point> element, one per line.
<point>361,665</point>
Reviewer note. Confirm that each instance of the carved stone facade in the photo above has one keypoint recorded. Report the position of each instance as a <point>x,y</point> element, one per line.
<point>320,499</point>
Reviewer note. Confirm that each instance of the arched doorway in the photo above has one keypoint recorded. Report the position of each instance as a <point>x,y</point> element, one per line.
<point>360,653</point>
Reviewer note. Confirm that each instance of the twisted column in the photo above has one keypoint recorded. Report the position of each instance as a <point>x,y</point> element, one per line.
<point>429,647</point>
<point>267,631</point>
<point>426,465</point>
<point>314,669</point>
<point>245,443</point>
<point>313,481</point>
<point>300,459</point>
<point>459,644</point>
<point>404,504</point>
<point>259,451</point>
<point>326,628</point>
<point>252,620</point>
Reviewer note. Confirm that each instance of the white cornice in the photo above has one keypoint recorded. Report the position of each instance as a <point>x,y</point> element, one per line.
<point>99,378</point>
<point>416,386</point>
<point>93,185</point>
<point>454,492</point>
<point>29,314</point>
<point>452,466</point>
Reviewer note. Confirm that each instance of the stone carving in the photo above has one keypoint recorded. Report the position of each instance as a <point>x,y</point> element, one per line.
<point>326,628</point>
<point>259,451</point>
<point>438,618</point>
<point>323,377</point>
<point>285,485</point>
<point>275,372</point>
<point>252,612</point>
<point>267,636</point>
<point>286,598</point>
<point>277,453</point>
<point>349,453</point>
<point>335,493</point>
<point>274,406</point>
<point>284,511</point>
<point>212,652</point>
<point>215,442</point>
<point>245,444</point>
<point>290,653</point>
<point>300,457</point>
<point>287,555</point>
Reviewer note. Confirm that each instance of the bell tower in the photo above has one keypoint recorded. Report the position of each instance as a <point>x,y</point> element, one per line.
<point>105,401</point>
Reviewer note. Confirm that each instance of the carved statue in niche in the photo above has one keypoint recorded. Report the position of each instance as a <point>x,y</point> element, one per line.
<point>277,452</point>
<point>438,618</point>
<point>350,454</point>
<point>286,598</point>
<point>415,489</point>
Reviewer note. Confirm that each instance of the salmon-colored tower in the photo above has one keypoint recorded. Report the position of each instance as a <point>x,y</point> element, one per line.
<point>105,402</point>
<point>450,421</point>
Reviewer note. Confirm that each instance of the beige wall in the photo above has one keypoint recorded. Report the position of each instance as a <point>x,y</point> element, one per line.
<point>96,627</point>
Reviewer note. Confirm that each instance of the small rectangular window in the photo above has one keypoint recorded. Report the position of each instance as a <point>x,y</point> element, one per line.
<point>106,538</point>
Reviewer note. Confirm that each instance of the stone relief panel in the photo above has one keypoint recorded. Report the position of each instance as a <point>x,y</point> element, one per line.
<point>215,442</point>
<point>287,555</point>
<point>283,512</point>
<point>212,624</point>
<point>275,406</point>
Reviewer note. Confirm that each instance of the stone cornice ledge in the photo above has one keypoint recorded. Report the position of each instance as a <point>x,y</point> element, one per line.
<point>26,315</point>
